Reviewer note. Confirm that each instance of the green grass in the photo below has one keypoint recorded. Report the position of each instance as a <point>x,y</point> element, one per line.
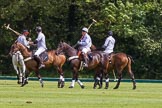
<point>147,95</point>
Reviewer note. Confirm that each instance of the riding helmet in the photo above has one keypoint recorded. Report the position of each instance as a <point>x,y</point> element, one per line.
<point>25,32</point>
<point>85,29</point>
<point>38,29</point>
<point>110,33</point>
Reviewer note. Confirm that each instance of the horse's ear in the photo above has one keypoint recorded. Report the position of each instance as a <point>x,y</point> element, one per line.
<point>62,41</point>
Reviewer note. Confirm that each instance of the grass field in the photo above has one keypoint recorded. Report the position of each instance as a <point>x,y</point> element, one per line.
<point>147,95</point>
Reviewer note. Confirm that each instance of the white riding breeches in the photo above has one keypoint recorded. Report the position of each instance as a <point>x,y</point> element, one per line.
<point>39,51</point>
<point>85,50</point>
<point>108,51</point>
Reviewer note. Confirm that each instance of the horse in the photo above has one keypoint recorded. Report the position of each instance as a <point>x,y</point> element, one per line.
<point>19,66</point>
<point>76,62</point>
<point>118,62</point>
<point>32,65</point>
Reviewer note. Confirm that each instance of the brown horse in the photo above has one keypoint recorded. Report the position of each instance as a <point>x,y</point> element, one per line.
<point>32,65</point>
<point>76,63</point>
<point>118,62</point>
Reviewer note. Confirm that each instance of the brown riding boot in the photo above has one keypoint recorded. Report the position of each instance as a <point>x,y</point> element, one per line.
<point>39,61</point>
<point>85,59</point>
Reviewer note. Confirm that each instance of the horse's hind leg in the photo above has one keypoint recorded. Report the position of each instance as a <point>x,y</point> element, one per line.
<point>61,81</point>
<point>131,74</point>
<point>119,79</point>
<point>133,79</point>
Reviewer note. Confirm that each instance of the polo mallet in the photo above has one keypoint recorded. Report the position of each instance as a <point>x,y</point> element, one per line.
<point>93,22</point>
<point>114,76</point>
<point>9,28</point>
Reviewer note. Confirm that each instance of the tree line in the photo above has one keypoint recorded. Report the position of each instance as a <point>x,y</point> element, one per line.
<point>136,25</point>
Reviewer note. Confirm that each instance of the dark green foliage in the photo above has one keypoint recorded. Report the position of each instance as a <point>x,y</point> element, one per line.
<point>136,24</point>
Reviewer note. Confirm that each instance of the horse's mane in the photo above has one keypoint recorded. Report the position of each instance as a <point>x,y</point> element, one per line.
<point>69,46</point>
<point>22,46</point>
<point>18,43</point>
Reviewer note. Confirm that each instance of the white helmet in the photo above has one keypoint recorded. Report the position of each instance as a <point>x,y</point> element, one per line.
<point>85,29</point>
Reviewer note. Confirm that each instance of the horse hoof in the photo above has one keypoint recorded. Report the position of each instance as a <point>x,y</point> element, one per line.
<point>42,85</point>
<point>23,84</point>
<point>71,87</point>
<point>82,86</point>
<point>115,87</point>
<point>59,84</point>
<point>18,82</point>
<point>62,86</point>
<point>106,87</point>
<point>134,87</point>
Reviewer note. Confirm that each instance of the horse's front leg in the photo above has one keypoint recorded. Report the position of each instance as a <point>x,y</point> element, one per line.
<point>61,81</point>
<point>14,63</point>
<point>79,82</point>
<point>22,70</point>
<point>98,78</point>
<point>106,81</point>
<point>39,77</point>
<point>74,77</point>
<point>25,78</point>
<point>18,74</point>
<point>73,80</point>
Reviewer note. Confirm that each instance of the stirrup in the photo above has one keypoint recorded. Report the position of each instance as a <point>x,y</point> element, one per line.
<point>41,66</point>
<point>85,65</point>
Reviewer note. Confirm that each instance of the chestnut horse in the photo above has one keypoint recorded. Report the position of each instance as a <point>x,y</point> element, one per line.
<point>76,62</point>
<point>31,65</point>
<point>118,62</point>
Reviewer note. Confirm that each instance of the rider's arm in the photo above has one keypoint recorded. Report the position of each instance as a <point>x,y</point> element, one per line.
<point>106,43</point>
<point>35,42</point>
<point>84,42</point>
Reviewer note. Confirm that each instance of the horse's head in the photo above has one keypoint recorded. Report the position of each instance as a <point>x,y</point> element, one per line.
<point>16,47</point>
<point>13,49</point>
<point>61,47</point>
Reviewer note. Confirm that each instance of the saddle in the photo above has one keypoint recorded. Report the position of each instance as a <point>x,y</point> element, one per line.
<point>44,56</point>
<point>110,57</point>
<point>89,55</point>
